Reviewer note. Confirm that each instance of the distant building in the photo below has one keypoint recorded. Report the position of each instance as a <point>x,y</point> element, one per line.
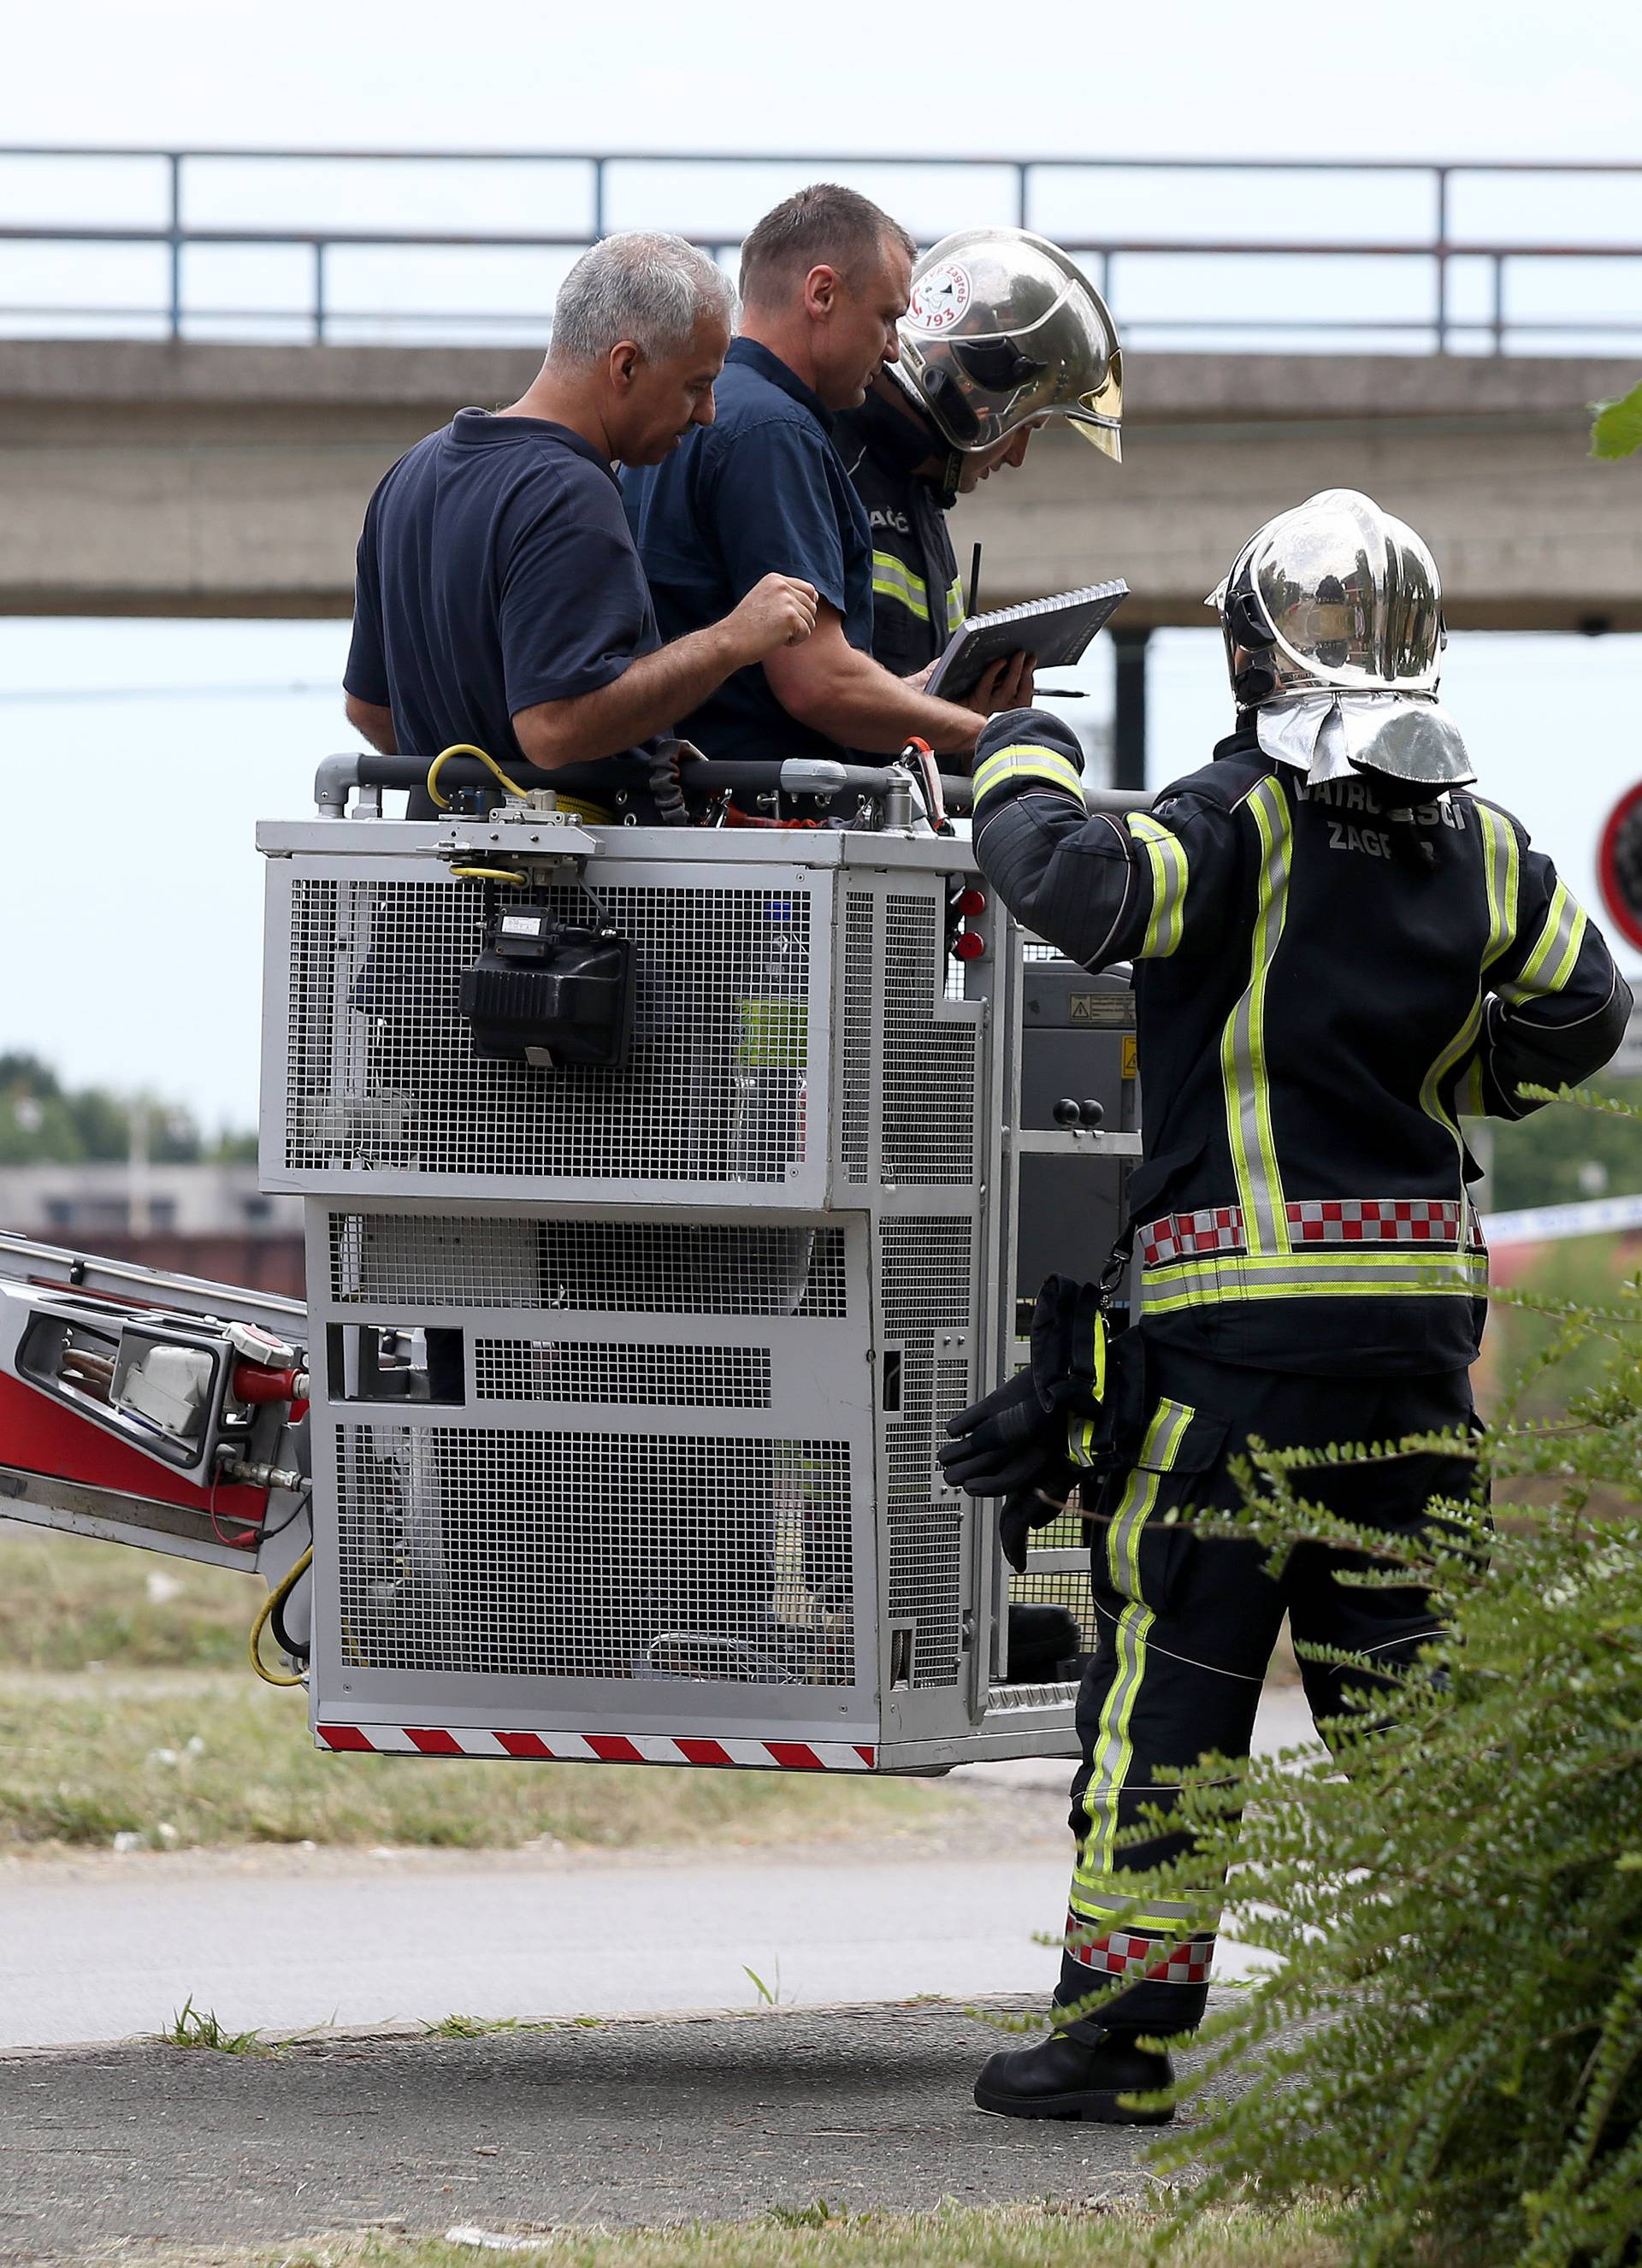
<point>208,1220</point>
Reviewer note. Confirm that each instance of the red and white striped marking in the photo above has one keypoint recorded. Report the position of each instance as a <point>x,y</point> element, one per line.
<point>595,1748</point>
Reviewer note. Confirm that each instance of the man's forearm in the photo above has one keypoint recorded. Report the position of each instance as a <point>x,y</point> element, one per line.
<point>653,692</point>
<point>862,705</point>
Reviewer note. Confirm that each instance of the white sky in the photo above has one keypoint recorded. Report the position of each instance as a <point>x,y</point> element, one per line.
<point>129,890</point>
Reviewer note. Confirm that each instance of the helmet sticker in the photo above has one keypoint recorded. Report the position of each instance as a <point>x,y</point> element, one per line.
<point>940,298</point>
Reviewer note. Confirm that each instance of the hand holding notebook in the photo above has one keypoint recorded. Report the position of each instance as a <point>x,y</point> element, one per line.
<point>1055,630</point>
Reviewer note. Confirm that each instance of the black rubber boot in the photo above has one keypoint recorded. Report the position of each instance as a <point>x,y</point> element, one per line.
<point>1063,2077</point>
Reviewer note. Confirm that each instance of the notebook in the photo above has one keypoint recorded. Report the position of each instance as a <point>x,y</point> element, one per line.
<point>1057,630</point>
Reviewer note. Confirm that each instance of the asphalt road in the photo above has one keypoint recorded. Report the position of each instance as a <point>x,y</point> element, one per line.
<point>651,2120</point>
<point>101,1947</point>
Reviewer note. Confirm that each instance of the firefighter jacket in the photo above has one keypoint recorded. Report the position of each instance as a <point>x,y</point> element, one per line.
<point>1323,984</point>
<point>918,599</point>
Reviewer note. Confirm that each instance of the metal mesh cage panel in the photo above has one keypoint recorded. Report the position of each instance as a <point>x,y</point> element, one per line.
<point>926,1289</point>
<point>583,1554</point>
<point>309,1021</point>
<point>585,1369</point>
<point>1045,1588</point>
<point>926,1587</point>
<point>855,1049</point>
<point>383,1073</point>
<point>930,1067</point>
<point>410,1261</point>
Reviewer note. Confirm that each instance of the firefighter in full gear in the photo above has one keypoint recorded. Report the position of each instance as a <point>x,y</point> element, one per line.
<point>1337,951</point>
<point>1002,332</point>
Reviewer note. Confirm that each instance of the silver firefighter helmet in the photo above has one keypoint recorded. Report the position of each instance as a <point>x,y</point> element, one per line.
<point>1338,604</point>
<point>1003,328</point>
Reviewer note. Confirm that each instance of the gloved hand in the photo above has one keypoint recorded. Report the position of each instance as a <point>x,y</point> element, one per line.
<point>1003,1441</point>
<point>1039,1505</point>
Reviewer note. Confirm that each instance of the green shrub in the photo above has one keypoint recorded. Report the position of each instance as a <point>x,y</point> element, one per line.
<point>1451,2045</point>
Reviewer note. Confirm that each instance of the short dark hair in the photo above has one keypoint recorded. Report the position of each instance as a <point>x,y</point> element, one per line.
<point>825,224</point>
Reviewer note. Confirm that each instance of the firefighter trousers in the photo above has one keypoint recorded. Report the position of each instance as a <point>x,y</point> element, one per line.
<point>1187,1624</point>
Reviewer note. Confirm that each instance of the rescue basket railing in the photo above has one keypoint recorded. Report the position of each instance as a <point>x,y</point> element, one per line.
<point>340,776</point>
<point>1472,272</point>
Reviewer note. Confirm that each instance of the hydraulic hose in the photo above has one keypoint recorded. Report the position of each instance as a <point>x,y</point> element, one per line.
<point>275,1600</point>
<point>467,749</point>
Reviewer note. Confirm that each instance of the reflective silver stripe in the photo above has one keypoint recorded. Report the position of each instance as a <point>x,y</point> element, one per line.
<point>892,578</point>
<point>1025,761</point>
<point>1166,855</point>
<point>1242,1043</point>
<point>954,606</point>
<point>1110,1758</point>
<point>1389,1274</point>
<point>1500,838</point>
<point>1157,1453</point>
<point>1551,963</point>
<point>1134,1913</point>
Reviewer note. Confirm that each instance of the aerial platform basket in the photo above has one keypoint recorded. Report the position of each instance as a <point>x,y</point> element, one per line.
<point>627,1381</point>
<point>632,1328</point>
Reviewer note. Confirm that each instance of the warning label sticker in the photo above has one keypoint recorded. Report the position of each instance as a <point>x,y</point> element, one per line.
<point>1115,1010</point>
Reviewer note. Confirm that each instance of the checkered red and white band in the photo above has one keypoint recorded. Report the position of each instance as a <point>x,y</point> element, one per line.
<point>596,1748</point>
<point>1314,1220</point>
<point>1150,1960</point>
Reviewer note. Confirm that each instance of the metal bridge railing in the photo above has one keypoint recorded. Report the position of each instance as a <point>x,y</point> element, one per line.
<point>1476,286</point>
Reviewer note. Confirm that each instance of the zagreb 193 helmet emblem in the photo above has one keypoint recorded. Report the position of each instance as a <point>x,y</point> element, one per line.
<point>940,297</point>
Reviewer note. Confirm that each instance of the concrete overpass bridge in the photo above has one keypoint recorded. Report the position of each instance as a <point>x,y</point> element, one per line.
<point>178,478</point>
<point>155,469</point>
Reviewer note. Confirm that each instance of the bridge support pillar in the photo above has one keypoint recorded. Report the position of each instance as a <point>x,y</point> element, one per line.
<point>1129,727</point>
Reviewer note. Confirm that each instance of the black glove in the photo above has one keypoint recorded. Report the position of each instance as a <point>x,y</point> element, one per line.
<point>1007,1440</point>
<point>1038,1505</point>
<point>1002,1441</point>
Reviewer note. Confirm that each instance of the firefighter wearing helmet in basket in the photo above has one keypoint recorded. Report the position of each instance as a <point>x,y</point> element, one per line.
<point>1003,334</point>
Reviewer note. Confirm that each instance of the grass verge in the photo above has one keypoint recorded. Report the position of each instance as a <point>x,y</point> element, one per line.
<point>1029,2236</point>
<point>206,1758</point>
<point>67,1603</point>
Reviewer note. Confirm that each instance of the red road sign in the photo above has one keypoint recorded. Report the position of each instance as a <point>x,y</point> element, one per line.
<point>1619,864</point>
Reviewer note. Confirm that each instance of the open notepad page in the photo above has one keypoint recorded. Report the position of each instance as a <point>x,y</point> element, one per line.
<point>1057,630</point>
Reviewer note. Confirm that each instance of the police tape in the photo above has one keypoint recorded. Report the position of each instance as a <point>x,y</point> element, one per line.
<point>1544,1224</point>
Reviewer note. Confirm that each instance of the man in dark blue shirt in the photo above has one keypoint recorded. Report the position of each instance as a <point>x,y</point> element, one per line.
<point>500,600</point>
<point>824,279</point>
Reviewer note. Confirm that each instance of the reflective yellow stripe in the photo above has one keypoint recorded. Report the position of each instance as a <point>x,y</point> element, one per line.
<point>892,578</point>
<point>1472,1101</point>
<point>1242,1043</point>
<point>1159,1915</point>
<point>1167,855</point>
<point>1292,1275</point>
<point>1080,1430</point>
<point>1499,848</point>
<point>1112,1751</point>
<point>1026,761</point>
<point>1157,1453</point>
<point>1500,881</point>
<point>954,606</point>
<point>1555,951</point>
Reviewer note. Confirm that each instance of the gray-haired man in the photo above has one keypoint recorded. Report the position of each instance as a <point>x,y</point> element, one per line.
<point>499,600</point>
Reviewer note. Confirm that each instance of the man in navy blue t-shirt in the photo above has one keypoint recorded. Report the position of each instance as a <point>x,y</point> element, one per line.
<point>499,600</point>
<point>824,278</point>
